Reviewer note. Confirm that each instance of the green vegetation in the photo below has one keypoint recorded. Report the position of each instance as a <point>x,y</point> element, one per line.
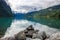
<point>5,10</point>
<point>47,13</point>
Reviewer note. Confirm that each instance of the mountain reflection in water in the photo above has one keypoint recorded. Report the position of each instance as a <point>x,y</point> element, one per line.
<point>10,26</point>
<point>19,25</point>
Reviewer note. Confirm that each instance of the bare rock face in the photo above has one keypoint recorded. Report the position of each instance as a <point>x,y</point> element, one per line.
<point>55,36</point>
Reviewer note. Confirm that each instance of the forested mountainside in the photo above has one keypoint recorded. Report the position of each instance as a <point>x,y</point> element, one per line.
<point>49,12</point>
<point>5,10</point>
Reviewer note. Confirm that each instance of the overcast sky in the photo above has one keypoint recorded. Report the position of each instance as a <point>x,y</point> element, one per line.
<point>24,6</point>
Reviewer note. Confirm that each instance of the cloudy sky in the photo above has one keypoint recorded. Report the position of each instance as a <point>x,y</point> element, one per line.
<point>24,6</point>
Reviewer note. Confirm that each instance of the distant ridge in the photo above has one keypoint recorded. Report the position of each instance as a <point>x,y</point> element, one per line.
<point>51,12</point>
<point>53,7</point>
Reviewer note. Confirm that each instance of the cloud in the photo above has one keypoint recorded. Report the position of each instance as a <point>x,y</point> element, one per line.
<point>30,5</point>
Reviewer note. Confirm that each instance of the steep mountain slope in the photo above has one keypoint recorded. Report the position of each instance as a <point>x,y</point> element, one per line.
<point>5,10</point>
<point>49,12</point>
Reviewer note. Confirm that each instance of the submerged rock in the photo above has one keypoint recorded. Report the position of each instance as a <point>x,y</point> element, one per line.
<point>31,34</point>
<point>32,39</point>
<point>8,38</point>
<point>55,36</point>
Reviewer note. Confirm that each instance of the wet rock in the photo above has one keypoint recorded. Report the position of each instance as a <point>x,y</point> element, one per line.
<point>29,31</point>
<point>55,36</point>
<point>21,36</point>
<point>41,35</point>
<point>30,28</point>
<point>29,34</point>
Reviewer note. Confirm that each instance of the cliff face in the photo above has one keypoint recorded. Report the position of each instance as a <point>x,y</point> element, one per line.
<point>5,10</point>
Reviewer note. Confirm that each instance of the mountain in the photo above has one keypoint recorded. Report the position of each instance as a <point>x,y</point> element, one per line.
<point>26,9</point>
<point>48,12</point>
<point>5,10</point>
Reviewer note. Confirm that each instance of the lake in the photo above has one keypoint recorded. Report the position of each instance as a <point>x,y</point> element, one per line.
<point>11,26</point>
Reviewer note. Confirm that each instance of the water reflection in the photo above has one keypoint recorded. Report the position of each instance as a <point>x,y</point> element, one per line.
<point>4,24</point>
<point>51,22</point>
<point>19,25</point>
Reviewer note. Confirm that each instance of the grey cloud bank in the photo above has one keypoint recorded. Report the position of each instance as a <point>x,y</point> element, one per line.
<point>25,6</point>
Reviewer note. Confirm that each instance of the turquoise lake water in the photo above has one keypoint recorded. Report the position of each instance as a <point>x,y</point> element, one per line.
<point>20,24</point>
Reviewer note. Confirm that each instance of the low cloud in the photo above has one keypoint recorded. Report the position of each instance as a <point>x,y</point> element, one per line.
<point>31,5</point>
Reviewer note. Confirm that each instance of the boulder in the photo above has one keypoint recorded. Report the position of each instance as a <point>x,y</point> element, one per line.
<point>20,36</point>
<point>29,31</point>
<point>30,28</point>
<point>41,35</point>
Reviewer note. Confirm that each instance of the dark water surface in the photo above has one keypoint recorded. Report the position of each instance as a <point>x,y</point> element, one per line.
<point>4,24</point>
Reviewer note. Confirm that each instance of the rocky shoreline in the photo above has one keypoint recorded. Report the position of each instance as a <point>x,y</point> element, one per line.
<point>31,34</point>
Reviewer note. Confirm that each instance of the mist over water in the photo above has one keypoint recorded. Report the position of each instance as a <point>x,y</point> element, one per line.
<point>19,25</point>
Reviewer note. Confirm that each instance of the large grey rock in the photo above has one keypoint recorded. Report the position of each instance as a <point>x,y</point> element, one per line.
<point>41,35</point>
<point>30,28</point>
<point>29,31</point>
<point>20,36</point>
